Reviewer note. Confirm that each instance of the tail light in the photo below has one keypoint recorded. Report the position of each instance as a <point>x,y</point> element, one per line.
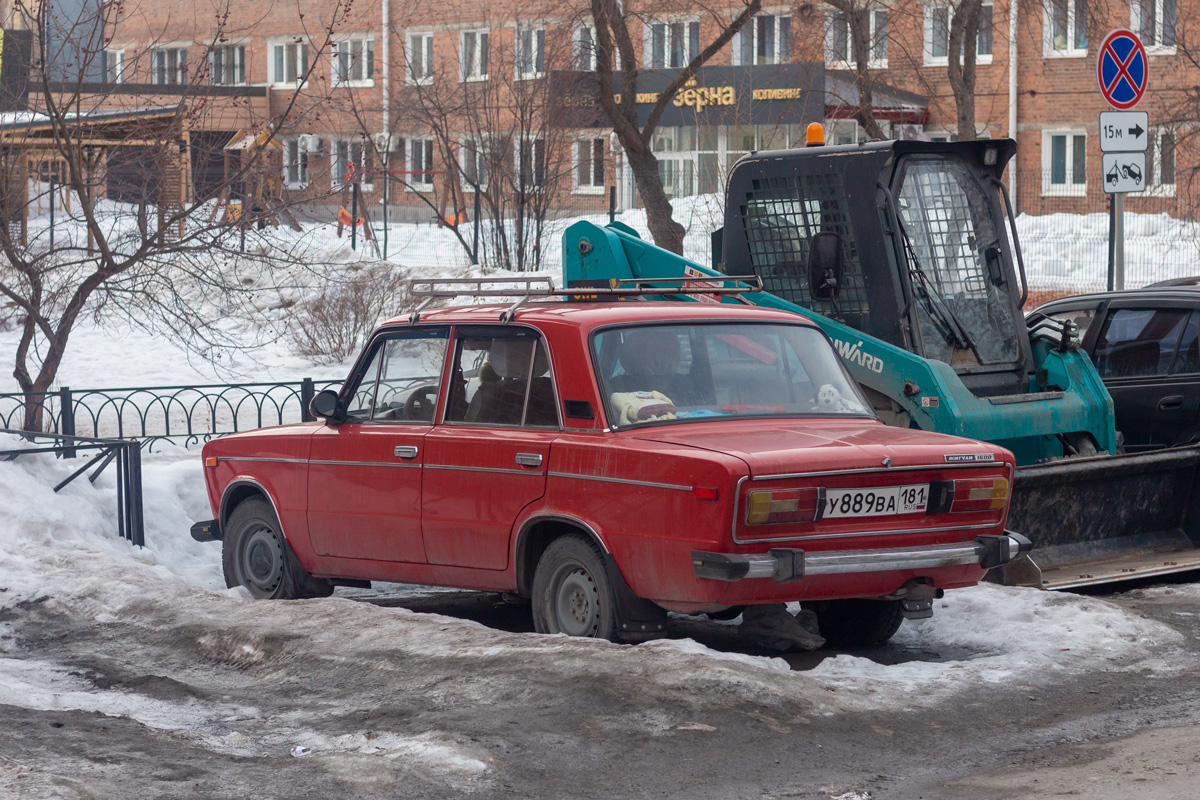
<point>787,505</point>
<point>971,494</point>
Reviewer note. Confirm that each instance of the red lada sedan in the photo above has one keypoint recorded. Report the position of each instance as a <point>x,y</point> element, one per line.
<point>612,462</point>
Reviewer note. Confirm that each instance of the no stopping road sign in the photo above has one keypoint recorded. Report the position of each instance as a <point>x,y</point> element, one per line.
<point>1121,69</point>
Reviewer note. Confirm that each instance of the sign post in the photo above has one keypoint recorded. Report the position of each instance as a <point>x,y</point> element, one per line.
<point>1121,72</point>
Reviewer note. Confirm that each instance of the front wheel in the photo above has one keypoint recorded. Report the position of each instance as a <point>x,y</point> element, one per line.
<point>255,554</point>
<point>571,590</point>
<point>857,622</point>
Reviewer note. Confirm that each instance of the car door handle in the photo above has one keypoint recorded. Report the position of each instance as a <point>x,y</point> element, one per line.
<point>1168,403</point>
<point>529,459</point>
<point>405,451</point>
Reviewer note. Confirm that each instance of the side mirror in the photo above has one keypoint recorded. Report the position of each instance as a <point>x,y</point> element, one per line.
<point>327,405</point>
<point>825,267</point>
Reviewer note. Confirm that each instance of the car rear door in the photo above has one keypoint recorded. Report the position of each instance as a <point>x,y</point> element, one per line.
<point>364,477</point>
<point>487,459</point>
<point>1134,350</point>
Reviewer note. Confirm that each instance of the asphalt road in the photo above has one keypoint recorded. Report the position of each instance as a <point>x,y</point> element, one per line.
<point>546,733</point>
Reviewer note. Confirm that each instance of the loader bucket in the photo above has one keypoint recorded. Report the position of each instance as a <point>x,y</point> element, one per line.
<point>1107,518</point>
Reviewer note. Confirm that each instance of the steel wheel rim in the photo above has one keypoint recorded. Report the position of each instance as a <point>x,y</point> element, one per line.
<point>262,561</point>
<point>576,603</point>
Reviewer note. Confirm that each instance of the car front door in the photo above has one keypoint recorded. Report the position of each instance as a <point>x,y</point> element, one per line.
<point>1134,351</point>
<point>1179,407</point>
<point>364,477</point>
<point>487,460</point>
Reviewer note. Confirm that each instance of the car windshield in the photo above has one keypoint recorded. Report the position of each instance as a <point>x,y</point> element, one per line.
<point>715,371</point>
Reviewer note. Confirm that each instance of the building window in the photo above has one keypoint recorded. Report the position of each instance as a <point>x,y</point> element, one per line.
<point>585,48</point>
<point>840,42</point>
<point>474,155</point>
<point>531,52</point>
<point>353,61</point>
<point>353,162</point>
<point>1064,163</point>
<point>114,66</point>
<point>420,164</point>
<point>589,166</point>
<point>937,34</point>
<point>1160,163</point>
<point>289,62</point>
<point>1154,22</point>
<point>671,45</point>
<point>227,65</point>
<point>473,55</point>
<point>420,58</point>
<point>295,163</point>
<point>1066,28</point>
<point>531,163</point>
<point>766,39</point>
<point>170,65</point>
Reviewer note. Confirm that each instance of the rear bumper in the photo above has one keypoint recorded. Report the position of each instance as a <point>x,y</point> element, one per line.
<point>790,564</point>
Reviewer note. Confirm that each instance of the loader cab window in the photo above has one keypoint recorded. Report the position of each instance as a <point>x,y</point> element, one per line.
<point>960,290</point>
<point>780,215</point>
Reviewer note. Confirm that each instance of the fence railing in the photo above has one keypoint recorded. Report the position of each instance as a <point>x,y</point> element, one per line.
<point>191,413</point>
<point>126,454</point>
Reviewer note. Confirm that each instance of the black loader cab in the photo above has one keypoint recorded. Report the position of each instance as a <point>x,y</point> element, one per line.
<point>903,240</point>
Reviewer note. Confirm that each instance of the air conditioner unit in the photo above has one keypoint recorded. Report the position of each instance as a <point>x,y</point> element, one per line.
<point>310,143</point>
<point>386,142</point>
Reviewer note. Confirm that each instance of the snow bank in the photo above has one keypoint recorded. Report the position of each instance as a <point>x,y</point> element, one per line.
<point>1071,250</point>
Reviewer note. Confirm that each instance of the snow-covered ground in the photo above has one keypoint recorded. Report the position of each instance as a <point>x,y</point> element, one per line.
<point>62,549</point>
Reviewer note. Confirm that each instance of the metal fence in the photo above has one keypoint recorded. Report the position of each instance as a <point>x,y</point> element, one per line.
<point>1064,230</point>
<point>148,413</point>
<point>127,455</point>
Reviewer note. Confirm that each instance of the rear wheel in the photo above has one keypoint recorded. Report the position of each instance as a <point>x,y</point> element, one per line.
<point>857,622</point>
<point>571,590</point>
<point>255,554</point>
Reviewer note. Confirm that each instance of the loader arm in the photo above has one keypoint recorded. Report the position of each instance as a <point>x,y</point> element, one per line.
<point>1069,398</point>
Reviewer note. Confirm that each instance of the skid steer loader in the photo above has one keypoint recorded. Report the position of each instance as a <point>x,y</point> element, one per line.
<point>907,256</point>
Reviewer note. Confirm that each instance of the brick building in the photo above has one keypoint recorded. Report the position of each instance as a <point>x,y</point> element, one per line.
<point>455,98</point>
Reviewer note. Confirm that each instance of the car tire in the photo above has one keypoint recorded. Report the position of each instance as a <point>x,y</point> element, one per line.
<point>858,622</point>
<point>571,590</point>
<point>255,554</point>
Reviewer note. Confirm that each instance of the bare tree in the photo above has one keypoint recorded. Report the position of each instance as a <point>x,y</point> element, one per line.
<point>180,254</point>
<point>852,30</point>
<point>617,58</point>
<point>965,18</point>
<point>497,138</point>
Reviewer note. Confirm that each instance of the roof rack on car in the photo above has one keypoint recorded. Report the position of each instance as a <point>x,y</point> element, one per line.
<point>529,288</point>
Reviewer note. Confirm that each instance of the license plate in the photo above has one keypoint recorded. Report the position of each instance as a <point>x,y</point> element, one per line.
<point>879,502</point>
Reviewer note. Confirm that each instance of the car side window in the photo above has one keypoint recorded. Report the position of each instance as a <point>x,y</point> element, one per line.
<point>403,378</point>
<point>362,399</point>
<point>1139,341</point>
<point>501,378</point>
<point>1188,357</point>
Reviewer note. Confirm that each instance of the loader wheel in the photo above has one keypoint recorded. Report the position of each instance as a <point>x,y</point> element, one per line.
<point>255,554</point>
<point>571,591</point>
<point>857,623</point>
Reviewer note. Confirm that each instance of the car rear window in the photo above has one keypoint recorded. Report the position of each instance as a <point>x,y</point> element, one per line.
<point>713,371</point>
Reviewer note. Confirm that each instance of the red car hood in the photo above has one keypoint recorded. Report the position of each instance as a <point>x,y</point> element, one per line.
<point>774,447</point>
